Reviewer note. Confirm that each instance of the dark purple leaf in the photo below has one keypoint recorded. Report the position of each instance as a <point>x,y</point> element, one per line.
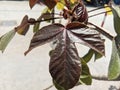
<point>45,35</point>
<point>80,13</point>
<point>75,25</point>
<point>86,36</point>
<point>77,32</point>
<point>65,66</point>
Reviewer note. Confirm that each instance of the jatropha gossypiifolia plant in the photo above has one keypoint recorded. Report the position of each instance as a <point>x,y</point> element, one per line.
<point>66,67</point>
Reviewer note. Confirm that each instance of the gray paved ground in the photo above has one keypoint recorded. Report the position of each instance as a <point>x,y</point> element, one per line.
<point>19,72</point>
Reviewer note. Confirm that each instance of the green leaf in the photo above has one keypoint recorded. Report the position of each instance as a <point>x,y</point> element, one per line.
<point>114,66</point>
<point>85,77</point>
<point>117,41</point>
<point>116,21</point>
<point>5,39</point>
<point>97,56</point>
<point>88,56</point>
<point>36,27</point>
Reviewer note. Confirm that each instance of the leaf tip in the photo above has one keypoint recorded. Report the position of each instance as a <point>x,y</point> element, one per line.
<point>32,3</point>
<point>26,52</point>
<point>31,6</point>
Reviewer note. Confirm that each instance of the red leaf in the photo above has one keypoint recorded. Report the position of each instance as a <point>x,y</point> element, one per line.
<point>32,3</point>
<point>65,66</point>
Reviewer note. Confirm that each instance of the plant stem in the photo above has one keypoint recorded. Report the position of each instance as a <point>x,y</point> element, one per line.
<point>53,15</point>
<point>102,31</point>
<point>32,22</point>
<point>97,8</point>
<point>103,78</point>
<point>99,14</point>
<point>105,16</point>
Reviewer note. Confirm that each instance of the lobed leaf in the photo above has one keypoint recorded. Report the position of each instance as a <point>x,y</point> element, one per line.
<point>65,66</point>
<point>76,31</point>
<point>5,39</point>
